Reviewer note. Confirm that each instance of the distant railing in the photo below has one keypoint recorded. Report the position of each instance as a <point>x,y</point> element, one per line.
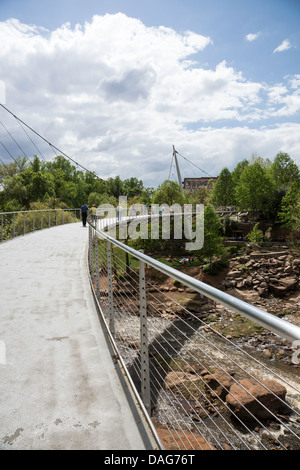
<point>225,209</point>
<point>14,224</point>
<point>201,387</point>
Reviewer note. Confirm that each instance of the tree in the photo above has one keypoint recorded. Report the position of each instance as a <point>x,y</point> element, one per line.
<point>39,181</point>
<point>238,170</point>
<point>67,169</point>
<point>15,196</point>
<point>255,190</point>
<point>290,209</point>
<point>284,171</point>
<point>256,235</point>
<point>213,242</point>
<point>223,192</point>
<point>147,195</point>
<point>168,193</point>
<point>10,169</point>
<point>115,187</point>
<point>200,196</point>
<point>98,199</point>
<point>132,187</point>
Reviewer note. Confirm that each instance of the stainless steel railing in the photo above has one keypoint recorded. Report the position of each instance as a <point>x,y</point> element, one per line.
<point>13,224</point>
<point>182,366</point>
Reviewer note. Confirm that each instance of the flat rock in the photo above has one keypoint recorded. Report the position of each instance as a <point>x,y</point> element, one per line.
<point>250,400</point>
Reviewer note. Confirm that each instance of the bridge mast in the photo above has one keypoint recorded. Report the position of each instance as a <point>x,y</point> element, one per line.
<point>178,169</point>
<point>187,226</point>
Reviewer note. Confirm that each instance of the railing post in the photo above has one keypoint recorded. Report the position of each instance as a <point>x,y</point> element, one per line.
<point>24,223</point>
<point>110,290</point>
<point>145,373</point>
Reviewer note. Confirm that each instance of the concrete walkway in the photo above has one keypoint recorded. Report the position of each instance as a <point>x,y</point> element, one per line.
<point>59,385</point>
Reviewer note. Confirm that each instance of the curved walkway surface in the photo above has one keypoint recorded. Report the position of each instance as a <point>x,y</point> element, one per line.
<point>59,385</point>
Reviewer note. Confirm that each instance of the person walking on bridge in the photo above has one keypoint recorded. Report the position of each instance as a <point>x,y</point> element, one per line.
<point>84,212</point>
<point>94,213</point>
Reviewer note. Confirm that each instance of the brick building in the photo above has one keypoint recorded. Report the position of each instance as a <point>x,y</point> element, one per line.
<point>194,184</point>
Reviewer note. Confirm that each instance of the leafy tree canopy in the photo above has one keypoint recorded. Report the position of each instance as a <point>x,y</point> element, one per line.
<point>255,189</point>
<point>224,189</point>
<point>168,193</point>
<point>284,171</point>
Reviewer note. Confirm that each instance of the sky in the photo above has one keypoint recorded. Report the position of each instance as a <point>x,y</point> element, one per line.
<point>115,84</point>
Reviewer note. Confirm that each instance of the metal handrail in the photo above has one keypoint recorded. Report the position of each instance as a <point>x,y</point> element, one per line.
<point>12,217</point>
<point>42,210</point>
<point>272,323</point>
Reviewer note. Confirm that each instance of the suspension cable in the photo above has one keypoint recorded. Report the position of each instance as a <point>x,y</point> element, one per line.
<point>49,143</point>
<point>193,164</point>
<point>14,140</point>
<point>9,154</point>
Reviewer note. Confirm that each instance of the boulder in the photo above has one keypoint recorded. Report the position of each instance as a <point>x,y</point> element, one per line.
<point>218,383</point>
<point>233,273</point>
<point>250,400</point>
<point>262,292</point>
<point>176,378</point>
<point>290,283</point>
<point>283,286</point>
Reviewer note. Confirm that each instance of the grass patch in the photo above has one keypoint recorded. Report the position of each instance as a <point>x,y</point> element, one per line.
<point>238,328</point>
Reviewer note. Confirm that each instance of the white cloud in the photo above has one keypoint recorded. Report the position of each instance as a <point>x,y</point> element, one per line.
<point>116,95</point>
<point>284,46</point>
<point>284,101</point>
<point>252,36</point>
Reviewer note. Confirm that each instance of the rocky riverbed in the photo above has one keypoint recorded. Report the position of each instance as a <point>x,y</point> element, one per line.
<point>266,273</point>
<point>268,280</point>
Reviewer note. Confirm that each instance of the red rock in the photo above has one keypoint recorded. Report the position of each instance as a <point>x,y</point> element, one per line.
<point>248,399</point>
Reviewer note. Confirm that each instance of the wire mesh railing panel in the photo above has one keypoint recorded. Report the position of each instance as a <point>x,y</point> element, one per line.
<point>208,391</point>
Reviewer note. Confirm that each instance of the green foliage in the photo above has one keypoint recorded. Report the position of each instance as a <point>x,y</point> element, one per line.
<point>168,193</point>
<point>238,170</point>
<point>132,187</point>
<point>264,188</point>
<point>255,189</point>
<point>256,235</point>
<point>38,216</point>
<point>261,185</point>
<point>224,189</point>
<point>229,225</point>
<point>284,171</point>
<point>290,210</point>
<point>23,183</point>
<point>213,241</point>
<point>214,268</point>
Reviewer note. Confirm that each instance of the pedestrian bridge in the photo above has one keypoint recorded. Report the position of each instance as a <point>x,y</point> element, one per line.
<point>96,355</point>
<point>61,387</point>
